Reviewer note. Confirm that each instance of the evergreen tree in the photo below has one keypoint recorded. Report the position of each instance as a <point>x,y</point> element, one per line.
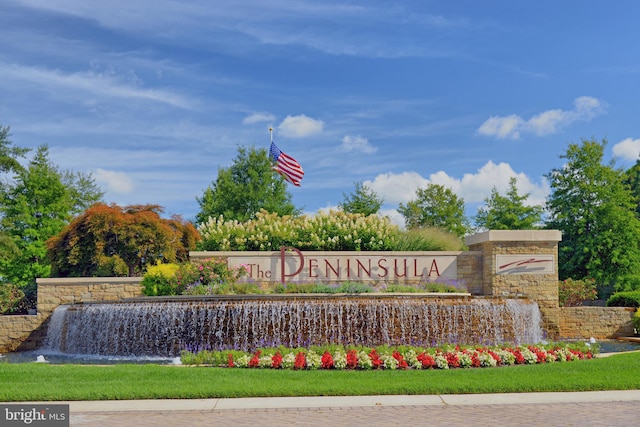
<point>36,206</point>
<point>8,153</point>
<point>508,212</point>
<point>363,200</point>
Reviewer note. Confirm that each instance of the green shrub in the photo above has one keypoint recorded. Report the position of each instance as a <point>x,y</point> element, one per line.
<point>160,279</point>
<point>444,286</point>
<point>428,239</point>
<point>401,288</point>
<point>353,288</point>
<point>208,277</point>
<point>10,297</point>
<point>573,293</point>
<point>624,299</point>
<point>322,288</point>
<point>438,285</point>
<point>628,282</point>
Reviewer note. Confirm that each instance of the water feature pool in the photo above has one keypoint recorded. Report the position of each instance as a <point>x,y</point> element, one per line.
<point>57,358</point>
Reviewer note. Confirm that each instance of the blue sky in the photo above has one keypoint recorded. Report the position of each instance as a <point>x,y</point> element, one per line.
<point>153,96</point>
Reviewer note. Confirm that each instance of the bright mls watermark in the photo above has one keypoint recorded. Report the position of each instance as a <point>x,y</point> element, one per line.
<point>34,415</point>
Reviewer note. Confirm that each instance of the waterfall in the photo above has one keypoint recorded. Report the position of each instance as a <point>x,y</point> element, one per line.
<point>164,328</point>
<point>54,330</point>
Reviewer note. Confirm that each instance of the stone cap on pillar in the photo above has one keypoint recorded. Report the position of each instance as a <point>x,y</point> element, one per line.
<point>514,236</point>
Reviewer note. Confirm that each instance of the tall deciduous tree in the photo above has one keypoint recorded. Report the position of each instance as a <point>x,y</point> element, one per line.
<point>595,211</point>
<point>244,188</point>
<point>632,179</point>
<point>35,206</point>
<point>363,200</point>
<point>508,212</point>
<point>115,241</point>
<point>436,206</point>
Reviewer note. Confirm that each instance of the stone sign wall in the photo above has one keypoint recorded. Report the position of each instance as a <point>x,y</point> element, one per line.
<point>292,265</point>
<point>498,263</point>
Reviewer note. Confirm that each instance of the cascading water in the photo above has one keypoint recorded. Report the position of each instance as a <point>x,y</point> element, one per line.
<point>165,328</point>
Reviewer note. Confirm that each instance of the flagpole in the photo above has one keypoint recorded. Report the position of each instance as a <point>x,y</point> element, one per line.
<point>271,133</point>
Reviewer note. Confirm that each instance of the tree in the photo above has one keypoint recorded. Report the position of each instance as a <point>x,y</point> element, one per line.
<point>632,179</point>
<point>244,188</point>
<point>363,200</point>
<point>9,153</point>
<point>36,206</point>
<point>508,212</point>
<point>115,241</point>
<point>595,211</point>
<point>436,206</point>
<point>8,249</point>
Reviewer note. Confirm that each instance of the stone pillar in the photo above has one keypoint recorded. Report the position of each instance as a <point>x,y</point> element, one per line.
<point>522,263</point>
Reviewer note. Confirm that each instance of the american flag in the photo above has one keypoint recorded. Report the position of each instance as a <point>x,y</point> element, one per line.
<point>286,166</point>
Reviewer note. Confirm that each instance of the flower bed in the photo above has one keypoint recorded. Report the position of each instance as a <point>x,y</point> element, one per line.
<point>365,358</point>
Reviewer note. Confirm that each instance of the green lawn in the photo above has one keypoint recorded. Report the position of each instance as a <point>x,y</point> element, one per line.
<point>36,381</point>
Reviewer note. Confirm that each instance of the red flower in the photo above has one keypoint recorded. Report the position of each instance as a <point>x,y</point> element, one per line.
<point>540,354</point>
<point>301,361</point>
<point>475,360</point>
<point>230,363</point>
<point>276,360</point>
<point>495,356</point>
<point>452,359</point>
<point>376,362</point>
<point>352,359</point>
<point>577,353</point>
<point>402,364</point>
<point>327,360</point>
<point>255,360</point>
<point>427,360</point>
<point>518,354</point>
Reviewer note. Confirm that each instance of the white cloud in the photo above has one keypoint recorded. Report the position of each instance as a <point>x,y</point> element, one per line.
<point>502,127</point>
<point>628,149</point>
<point>300,126</point>
<point>357,143</point>
<point>545,123</point>
<point>397,188</point>
<point>117,182</point>
<point>473,188</point>
<point>258,118</point>
<point>395,216</point>
<point>105,84</point>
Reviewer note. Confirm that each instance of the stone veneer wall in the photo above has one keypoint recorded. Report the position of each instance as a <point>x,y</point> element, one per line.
<point>26,332</point>
<point>542,288</point>
<point>470,269</point>
<point>476,267</point>
<point>596,322</point>
<point>469,264</point>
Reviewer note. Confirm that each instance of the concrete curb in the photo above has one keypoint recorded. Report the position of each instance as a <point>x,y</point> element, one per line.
<point>346,401</point>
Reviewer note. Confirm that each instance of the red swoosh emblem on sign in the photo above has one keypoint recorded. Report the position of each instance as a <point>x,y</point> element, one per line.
<point>523,262</point>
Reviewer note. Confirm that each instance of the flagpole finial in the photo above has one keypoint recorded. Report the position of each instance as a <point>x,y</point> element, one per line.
<point>271,133</point>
